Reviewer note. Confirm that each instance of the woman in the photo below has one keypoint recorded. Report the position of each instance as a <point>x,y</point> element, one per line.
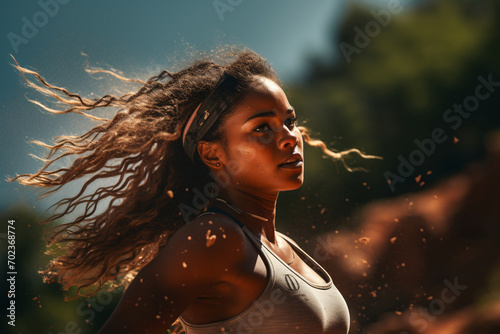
<point>197,159</point>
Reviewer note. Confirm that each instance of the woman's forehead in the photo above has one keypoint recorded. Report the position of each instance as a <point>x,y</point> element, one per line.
<point>264,94</point>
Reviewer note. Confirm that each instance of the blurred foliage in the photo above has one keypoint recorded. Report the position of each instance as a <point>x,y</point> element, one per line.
<point>393,91</point>
<point>41,306</point>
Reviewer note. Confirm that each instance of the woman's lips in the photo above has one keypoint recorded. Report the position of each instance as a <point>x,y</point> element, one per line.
<point>293,165</point>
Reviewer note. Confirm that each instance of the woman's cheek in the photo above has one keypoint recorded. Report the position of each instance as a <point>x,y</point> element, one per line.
<point>248,152</point>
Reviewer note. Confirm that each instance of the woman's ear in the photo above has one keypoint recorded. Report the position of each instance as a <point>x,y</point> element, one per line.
<point>211,153</point>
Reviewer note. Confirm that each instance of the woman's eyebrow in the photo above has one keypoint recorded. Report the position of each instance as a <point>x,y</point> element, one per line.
<point>267,114</point>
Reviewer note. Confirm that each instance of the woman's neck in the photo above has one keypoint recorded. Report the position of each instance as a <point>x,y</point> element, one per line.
<point>261,205</point>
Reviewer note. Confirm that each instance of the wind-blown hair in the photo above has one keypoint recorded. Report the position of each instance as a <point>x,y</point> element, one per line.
<point>139,153</point>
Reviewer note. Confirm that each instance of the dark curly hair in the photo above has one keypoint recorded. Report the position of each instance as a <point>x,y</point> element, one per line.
<point>139,153</point>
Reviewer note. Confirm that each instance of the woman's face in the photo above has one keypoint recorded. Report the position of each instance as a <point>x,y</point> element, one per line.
<point>260,136</point>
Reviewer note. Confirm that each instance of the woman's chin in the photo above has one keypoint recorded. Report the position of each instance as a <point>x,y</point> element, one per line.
<point>296,184</point>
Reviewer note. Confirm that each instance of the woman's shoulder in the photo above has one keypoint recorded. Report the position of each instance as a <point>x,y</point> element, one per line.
<point>207,238</point>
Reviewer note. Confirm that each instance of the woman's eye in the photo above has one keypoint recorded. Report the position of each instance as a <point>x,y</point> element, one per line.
<point>292,121</point>
<point>262,128</point>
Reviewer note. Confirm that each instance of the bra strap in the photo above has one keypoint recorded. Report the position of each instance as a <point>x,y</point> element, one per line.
<point>219,210</point>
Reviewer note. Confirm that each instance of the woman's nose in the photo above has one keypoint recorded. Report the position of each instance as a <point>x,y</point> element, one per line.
<point>290,138</point>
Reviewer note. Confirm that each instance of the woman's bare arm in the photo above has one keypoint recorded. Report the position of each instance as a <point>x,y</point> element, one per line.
<point>195,257</point>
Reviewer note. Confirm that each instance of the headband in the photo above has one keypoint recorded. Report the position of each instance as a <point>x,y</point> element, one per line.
<point>207,113</point>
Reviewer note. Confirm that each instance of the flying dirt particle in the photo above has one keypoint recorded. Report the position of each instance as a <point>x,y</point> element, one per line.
<point>398,312</point>
<point>429,172</point>
<point>424,240</point>
<point>411,204</point>
<point>170,193</point>
<point>417,179</point>
<point>421,183</point>
<point>374,294</point>
<point>166,297</point>
<point>141,280</point>
<point>403,264</point>
<point>302,198</point>
<point>435,196</point>
<point>364,240</point>
<point>210,222</point>
<point>347,199</point>
<point>189,238</point>
<point>313,227</point>
<point>223,236</point>
<point>322,211</point>
<point>455,140</point>
<point>184,265</point>
<point>430,298</point>
<point>157,317</point>
<point>396,220</point>
<point>210,238</point>
<point>364,261</point>
<point>393,240</point>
